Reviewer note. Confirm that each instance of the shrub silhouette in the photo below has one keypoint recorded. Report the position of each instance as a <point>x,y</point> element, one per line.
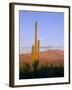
<point>37,70</point>
<point>35,65</point>
<point>25,70</point>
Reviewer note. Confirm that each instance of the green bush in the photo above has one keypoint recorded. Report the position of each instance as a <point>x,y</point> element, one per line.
<point>38,70</point>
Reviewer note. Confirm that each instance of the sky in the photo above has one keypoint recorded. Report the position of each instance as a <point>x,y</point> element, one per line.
<point>50,28</point>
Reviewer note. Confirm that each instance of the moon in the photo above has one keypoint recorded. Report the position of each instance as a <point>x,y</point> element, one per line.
<point>42,38</point>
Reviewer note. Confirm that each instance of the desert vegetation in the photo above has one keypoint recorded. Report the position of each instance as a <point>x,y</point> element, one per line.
<point>39,70</point>
<point>49,65</point>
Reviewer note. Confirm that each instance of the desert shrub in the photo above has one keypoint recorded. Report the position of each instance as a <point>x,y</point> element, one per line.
<point>35,65</point>
<point>24,71</point>
<point>40,70</point>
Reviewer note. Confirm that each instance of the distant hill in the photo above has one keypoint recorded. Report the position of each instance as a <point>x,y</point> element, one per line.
<point>52,56</point>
